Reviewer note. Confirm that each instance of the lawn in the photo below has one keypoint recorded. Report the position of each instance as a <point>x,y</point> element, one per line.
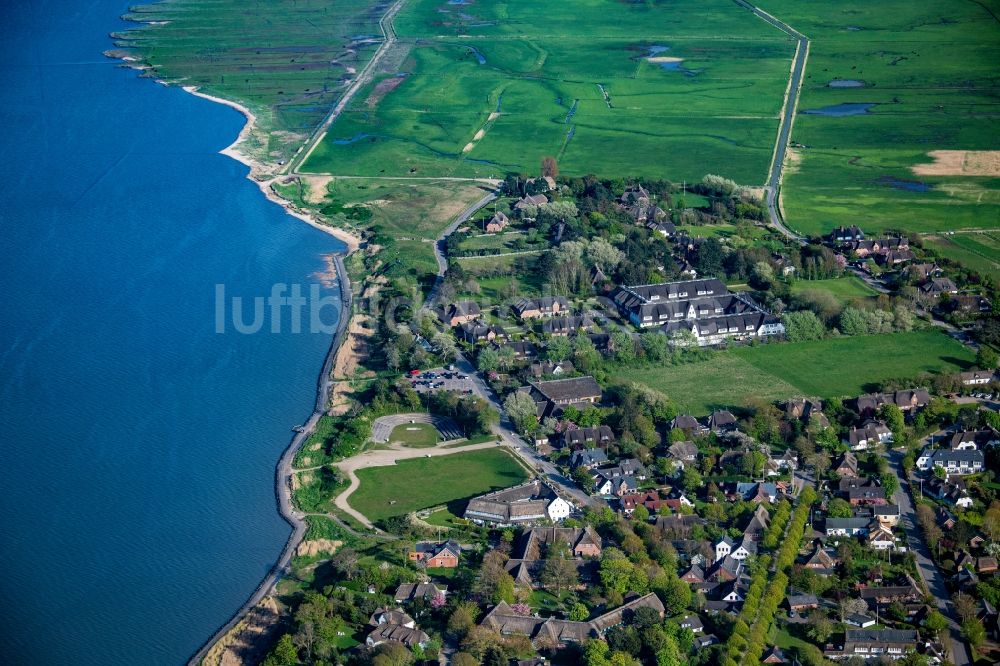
<point>665,89</point>
<point>930,71</point>
<point>844,289</point>
<point>416,435</point>
<point>830,368</point>
<point>423,482</point>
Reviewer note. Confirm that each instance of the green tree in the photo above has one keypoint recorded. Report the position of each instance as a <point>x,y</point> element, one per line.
<point>802,325</point>
<point>839,508</point>
<point>935,623</point>
<point>522,411</point>
<point>284,654</point>
<point>559,572</point>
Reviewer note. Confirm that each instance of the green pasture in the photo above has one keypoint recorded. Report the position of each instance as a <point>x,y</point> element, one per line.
<point>930,69</point>
<point>830,368</point>
<point>423,482</point>
<point>566,81</point>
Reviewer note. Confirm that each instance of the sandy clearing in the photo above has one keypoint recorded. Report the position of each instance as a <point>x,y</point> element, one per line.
<point>468,147</point>
<point>317,546</point>
<point>316,191</point>
<point>479,135</point>
<point>960,163</point>
<point>664,59</point>
<point>493,116</point>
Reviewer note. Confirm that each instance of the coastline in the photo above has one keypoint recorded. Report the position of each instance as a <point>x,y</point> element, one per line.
<point>352,241</point>
<point>283,468</point>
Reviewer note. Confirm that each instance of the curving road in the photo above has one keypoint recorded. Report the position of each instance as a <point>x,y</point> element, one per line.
<point>439,243</point>
<point>284,471</point>
<point>773,185</point>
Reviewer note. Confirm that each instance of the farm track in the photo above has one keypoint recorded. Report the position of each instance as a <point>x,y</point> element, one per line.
<point>362,79</point>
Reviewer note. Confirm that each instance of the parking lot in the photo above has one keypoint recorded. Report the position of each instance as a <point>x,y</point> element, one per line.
<point>440,379</point>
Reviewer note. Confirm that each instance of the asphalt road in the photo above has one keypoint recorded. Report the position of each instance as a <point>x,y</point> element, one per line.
<point>439,243</point>
<point>925,564</point>
<point>787,117</point>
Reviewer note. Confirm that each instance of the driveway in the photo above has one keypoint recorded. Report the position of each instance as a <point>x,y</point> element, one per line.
<point>925,565</point>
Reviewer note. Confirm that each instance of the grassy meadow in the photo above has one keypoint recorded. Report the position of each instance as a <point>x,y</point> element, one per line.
<point>416,435</point>
<point>830,368</point>
<point>289,63</point>
<point>845,289</point>
<point>419,483</point>
<point>484,88</point>
<point>930,69</point>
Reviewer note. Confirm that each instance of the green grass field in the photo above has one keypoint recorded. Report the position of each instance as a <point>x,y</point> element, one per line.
<point>930,69</point>
<point>844,289</point>
<point>831,368</point>
<point>416,435</point>
<point>483,88</point>
<point>422,482</point>
<point>980,252</point>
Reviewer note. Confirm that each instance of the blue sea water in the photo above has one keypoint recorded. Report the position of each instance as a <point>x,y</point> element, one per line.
<point>138,445</point>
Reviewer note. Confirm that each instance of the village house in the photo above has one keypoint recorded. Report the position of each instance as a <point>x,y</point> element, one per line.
<point>524,350</point>
<point>598,436</point>
<point>846,526</point>
<point>530,200</point>
<point>552,631</point>
<point>850,234</point>
<point>651,500</point>
<point>907,400</point>
<point>563,326</point>
<point>970,440</point>
<point>588,458</point>
<point>874,644</point>
<point>758,524</point>
<point>949,491</point>
<point>846,466</point>
<point>821,560</point>
<point>682,454</point>
<point>536,308</point>
<point>806,410</point>
<point>527,503</point>
<point>474,332</point>
<point>866,496</point>
<point>977,377</point>
<point>552,397</point>
<point>497,223</point>
<point>459,312</point>
<point>756,493</point>
<point>547,368</point>
<point>722,421</point>
<point>868,436</point>
<point>938,287</point>
<point>407,592</point>
<point>443,555</point>
<point>801,602</point>
<point>395,626</point>
<point>688,424</point>
<point>880,538</point>
<point>961,461</point>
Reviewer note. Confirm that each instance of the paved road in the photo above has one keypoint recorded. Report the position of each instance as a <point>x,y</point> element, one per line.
<point>362,79</point>
<point>284,471</point>
<point>925,565</point>
<point>525,451</point>
<point>787,118</point>
<point>439,243</point>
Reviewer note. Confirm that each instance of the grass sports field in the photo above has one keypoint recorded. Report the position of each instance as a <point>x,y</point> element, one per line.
<point>416,435</point>
<point>423,482</point>
<point>473,88</point>
<point>831,368</point>
<point>844,289</point>
<point>930,70</point>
